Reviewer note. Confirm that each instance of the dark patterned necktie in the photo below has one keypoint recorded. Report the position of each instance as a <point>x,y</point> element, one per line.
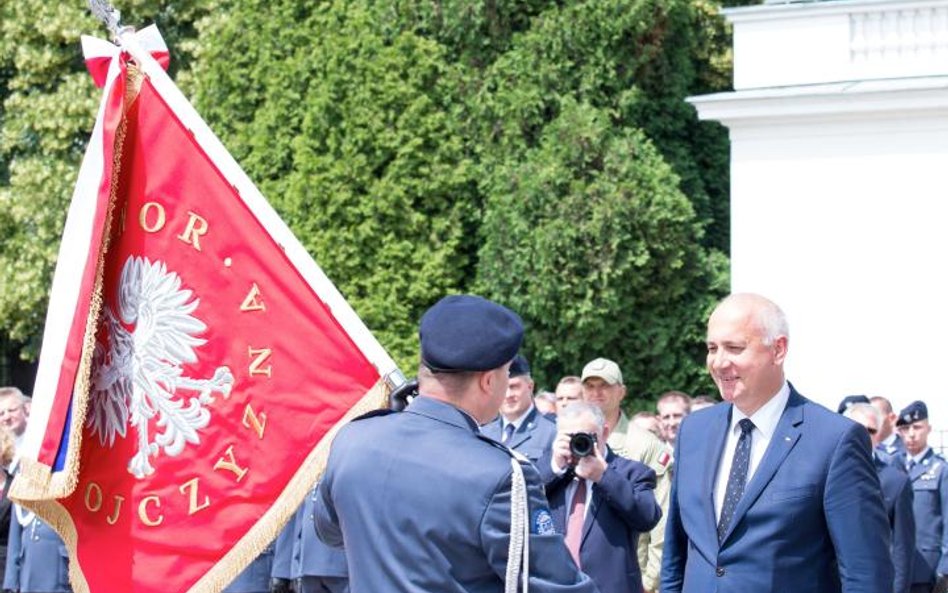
<point>508,432</point>
<point>737,478</point>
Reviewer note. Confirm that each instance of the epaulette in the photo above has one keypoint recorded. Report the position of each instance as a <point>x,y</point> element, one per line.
<point>373,414</point>
<point>498,445</point>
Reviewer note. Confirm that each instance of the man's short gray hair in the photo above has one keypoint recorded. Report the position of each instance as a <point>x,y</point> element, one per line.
<point>580,408</point>
<point>14,392</point>
<point>865,410</point>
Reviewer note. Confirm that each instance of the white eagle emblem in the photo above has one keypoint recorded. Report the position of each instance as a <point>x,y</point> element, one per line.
<point>140,375</point>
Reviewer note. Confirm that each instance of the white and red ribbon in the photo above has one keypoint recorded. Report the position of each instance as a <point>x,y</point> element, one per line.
<point>100,54</point>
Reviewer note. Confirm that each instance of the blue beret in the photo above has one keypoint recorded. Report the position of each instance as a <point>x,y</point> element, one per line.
<point>851,400</point>
<point>913,412</point>
<point>519,366</point>
<point>468,333</point>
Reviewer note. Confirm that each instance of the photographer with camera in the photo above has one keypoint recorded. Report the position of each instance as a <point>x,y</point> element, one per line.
<point>599,500</point>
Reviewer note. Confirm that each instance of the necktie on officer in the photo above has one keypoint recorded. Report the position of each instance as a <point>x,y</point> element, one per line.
<point>508,432</point>
<point>737,478</point>
<point>575,520</point>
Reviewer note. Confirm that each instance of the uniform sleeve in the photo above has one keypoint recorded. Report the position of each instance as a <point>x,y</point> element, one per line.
<point>324,513</point>
<point>903,538</point>
<point>551,567</point>
<point>631,494</point>
<point>11,575</point>
<point>675,553</point>
<point>855,515</point>
<point>943,495</point>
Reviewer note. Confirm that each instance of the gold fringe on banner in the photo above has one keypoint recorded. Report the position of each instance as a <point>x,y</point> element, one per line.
<point>260,535</point>
<point>268,528</point>
<point>36,481</point>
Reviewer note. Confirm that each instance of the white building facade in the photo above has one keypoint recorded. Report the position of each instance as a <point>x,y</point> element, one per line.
<point>839,190</point>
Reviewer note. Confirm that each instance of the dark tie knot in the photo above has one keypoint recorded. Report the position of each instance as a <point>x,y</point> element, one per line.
<point>746,426</point>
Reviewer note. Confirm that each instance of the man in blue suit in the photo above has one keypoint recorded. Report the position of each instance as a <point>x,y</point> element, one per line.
<point>520,425</point>
<point>600,501</point>
<point>420,499</point>
<point>929,475</point>
<point>772,492</point>
<point>896,493</point>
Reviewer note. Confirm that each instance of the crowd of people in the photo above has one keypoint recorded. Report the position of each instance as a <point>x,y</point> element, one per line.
<point>481,481</point>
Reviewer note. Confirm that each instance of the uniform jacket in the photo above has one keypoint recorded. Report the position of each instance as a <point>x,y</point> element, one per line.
<point>533,438</point>
<point>313,557</point>
<point>283,548</point>
<point>36,558</point>
<point>622,505</point>
<point>896,448</point>
<point>811,517</point>
<point>256,577</point>
<point>421,502</point>
<point>631,441</point>
<point>931,499</point>
<point>897,495</point>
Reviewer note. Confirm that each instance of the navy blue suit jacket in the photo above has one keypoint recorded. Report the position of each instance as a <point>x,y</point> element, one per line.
<point>897,494</point>
<point>420,500</point>
<point>622,506</point>
<point>533,438</point>
<point>811,517</point>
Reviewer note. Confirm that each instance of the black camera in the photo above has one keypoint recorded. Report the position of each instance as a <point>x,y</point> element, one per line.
<point>582,444</point>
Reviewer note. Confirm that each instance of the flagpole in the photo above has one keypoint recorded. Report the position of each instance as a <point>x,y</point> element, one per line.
<point>110,16</point>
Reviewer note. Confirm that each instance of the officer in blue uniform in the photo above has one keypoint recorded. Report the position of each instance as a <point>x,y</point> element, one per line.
<point>929,477</point>
<point>421,500</point>
<point>896,492</point>
<point>520,425</point>
<point>318,568</point>
<point>37,561</point>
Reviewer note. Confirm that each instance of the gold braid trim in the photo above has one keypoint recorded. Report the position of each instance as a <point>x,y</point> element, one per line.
<point>271,523</point>
<point>36,481</point>
<point>260,535</point>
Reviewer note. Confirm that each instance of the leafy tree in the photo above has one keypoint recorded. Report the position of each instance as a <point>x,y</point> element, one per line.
<point>47,109</point>
<point>595,204</point>
<point>590,240</point>
<point>349,126</point>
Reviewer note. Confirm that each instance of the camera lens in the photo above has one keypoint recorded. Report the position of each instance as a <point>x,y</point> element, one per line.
<point>582,444</point>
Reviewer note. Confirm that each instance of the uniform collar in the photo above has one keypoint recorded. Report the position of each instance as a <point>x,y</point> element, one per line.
<point>519,421</point>
<point>443,412</point>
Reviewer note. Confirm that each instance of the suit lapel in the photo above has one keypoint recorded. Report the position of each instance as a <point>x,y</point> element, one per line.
<point>595,503</point>
<point>785,437</point>
<point>716,438</point>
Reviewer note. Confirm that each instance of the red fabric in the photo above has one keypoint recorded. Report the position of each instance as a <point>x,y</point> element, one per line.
<point>71,359</point>
<point>98,66</point>
<point>575,520</point>
<point>317,372</point>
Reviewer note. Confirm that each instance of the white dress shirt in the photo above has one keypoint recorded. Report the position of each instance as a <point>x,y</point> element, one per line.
<point>765,423</point>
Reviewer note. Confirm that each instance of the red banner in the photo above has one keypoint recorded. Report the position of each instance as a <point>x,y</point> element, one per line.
<point>215,372</point>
